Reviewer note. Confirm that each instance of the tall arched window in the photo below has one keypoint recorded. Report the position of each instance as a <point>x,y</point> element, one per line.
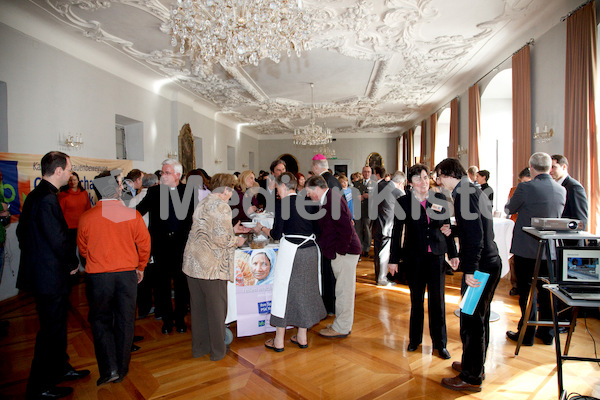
<point>417,145</point>
<point>495,146</point>
<point>442,136</point>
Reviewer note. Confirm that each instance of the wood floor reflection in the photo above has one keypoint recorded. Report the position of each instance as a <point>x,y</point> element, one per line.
<point>371,363</point>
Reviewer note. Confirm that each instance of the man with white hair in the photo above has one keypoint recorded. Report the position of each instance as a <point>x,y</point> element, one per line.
<point>320,166</point>
<point>170,223</point>
<point>541,197</point>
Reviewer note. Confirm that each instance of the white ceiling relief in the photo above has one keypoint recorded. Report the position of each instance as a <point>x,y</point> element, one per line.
<point>377,66</point>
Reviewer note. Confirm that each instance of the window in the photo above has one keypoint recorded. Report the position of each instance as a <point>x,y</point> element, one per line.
<point>129,138</point>
<point>417,145</point>
<point>442,136</point>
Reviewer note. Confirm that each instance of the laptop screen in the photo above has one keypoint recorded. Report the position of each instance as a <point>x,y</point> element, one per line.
<point>580,265</point>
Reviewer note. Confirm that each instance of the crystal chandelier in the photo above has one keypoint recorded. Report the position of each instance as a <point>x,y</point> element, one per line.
<point>327,151</point>
<point>312,134</point>
<point>238,31</point>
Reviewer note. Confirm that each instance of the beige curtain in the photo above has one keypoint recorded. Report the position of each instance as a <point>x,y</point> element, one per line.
<point>432,132</point>
<point>521,108</point>
<point>474,124</point>
<point>581,139</point>
<point>423,142</point>
<point>453,145</point>
<point>410,153</point>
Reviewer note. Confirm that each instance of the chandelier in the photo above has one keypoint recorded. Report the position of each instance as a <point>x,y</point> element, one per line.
<point>238,31</point>
<point>312,134</point>
<point>327,151</point>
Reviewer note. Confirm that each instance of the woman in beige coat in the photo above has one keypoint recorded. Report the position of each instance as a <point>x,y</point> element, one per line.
<point>208,264</point>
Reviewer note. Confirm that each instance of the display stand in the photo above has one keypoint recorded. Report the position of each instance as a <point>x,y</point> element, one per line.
<point>575,304</point>
<point>546,247</point>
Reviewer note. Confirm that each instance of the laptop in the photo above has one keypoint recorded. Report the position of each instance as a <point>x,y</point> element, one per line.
<point>579,272</point>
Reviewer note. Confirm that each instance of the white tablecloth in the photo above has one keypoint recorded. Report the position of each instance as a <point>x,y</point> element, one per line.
<point>503,231</point>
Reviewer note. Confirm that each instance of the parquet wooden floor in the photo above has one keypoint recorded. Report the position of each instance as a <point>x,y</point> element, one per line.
<point>372,363</point>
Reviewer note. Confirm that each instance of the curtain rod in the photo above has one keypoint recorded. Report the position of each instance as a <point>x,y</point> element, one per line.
<point>564,18</point>
<point>531,42</point>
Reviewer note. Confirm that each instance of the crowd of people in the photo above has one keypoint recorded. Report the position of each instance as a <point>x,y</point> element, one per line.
<point>174,236</point>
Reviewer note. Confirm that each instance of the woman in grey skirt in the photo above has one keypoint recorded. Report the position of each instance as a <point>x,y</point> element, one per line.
<point>296,288</point>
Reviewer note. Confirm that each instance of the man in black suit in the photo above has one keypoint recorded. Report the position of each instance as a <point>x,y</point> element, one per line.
<point>266,197</point>
<point>478,252</point>
<point>47,259</point>
<point>320,166</point>
<point>363,224</point>
<point>384,201</point>
<point>171,206</point>
<point>543,198</point>
<point>576,205</point>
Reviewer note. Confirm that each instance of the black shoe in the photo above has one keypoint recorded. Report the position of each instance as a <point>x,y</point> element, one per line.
<point>181,328</point>
<point>73,375</point>
<point>166,328</point>
<point>138,339</point>
<point>412,347</point>
<point>546,339</point>
<point>54,393</point>
<point>443,353</point>
<point>108,378</point>
<point>514,336</point>
<point>135,348</point>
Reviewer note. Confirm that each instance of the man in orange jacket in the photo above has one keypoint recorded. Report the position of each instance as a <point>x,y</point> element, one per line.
<point>116,244</point>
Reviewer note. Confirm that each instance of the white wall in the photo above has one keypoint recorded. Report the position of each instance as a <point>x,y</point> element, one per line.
<point>356,150</point>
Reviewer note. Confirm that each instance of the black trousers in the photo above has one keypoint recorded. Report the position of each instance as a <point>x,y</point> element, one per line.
<point>428,273</point>
<point>475,329</point>
<point>145,290</point>
<point>208,301</point>
<point>328,282</point>
<point>112,297</point>
<point>541,301</point>
<point>50,359</point>
<point>167,269</point>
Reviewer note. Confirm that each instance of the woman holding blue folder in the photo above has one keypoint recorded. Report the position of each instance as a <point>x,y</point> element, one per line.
<point>422,214</point>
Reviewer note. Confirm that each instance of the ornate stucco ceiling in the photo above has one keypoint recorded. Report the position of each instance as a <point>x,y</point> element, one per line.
<point>378,66</point>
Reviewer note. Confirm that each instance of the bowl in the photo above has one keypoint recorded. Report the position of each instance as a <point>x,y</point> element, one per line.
<point>249,224</point>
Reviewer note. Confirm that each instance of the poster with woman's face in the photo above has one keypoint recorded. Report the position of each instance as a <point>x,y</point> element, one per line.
<point>254,267</point>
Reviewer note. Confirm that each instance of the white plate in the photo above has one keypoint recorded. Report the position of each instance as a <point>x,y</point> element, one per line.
<point>249,224</point>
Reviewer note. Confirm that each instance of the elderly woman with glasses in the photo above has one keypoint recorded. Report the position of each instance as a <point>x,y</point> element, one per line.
<point>423,212</point>
<point>208,264</point>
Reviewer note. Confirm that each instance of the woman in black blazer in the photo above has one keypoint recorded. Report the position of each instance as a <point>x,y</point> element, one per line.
<point>420,215</point>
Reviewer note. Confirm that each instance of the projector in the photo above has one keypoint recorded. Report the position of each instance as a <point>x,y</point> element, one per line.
<point>557,224</point>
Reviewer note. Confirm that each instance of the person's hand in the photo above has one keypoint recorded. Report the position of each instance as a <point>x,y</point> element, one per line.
<point>454,263</point>
<point>446,229</point>
<point>140,275</point>
<point>73,272</point>
<point>240,241</point>
<point>238,228</point>
<point>393,268</point>
<point>251,210</point>
<point>471,281</point>
<point>258,228</point>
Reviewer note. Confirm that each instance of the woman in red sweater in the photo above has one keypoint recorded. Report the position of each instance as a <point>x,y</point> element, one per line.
<point>73,200</point>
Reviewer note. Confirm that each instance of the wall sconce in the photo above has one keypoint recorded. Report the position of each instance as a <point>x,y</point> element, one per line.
<point>73,141</point>
<point>244,165</point>
<point>425,159</point>
<point>218,161</point>
<point>462,151</point>
<point>544,136</point>
<point>172,154</point>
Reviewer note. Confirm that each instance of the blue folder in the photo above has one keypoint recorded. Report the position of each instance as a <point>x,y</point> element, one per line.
<point>472,295</point>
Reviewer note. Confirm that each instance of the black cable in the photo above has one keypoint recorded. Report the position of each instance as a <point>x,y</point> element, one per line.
<point>577,396</point>
<point>592,336</point>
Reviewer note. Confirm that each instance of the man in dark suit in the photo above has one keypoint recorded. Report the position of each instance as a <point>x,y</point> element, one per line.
<point>339,244</point>
<point>385,201</point>
<point>477,252</point>
<point>267,196</point>
<point>541,197</point>
<point>171,206</point>
<point>576,205</point>
<point>363,224</point>
<point>47,259</point>
<point>320,167</point>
